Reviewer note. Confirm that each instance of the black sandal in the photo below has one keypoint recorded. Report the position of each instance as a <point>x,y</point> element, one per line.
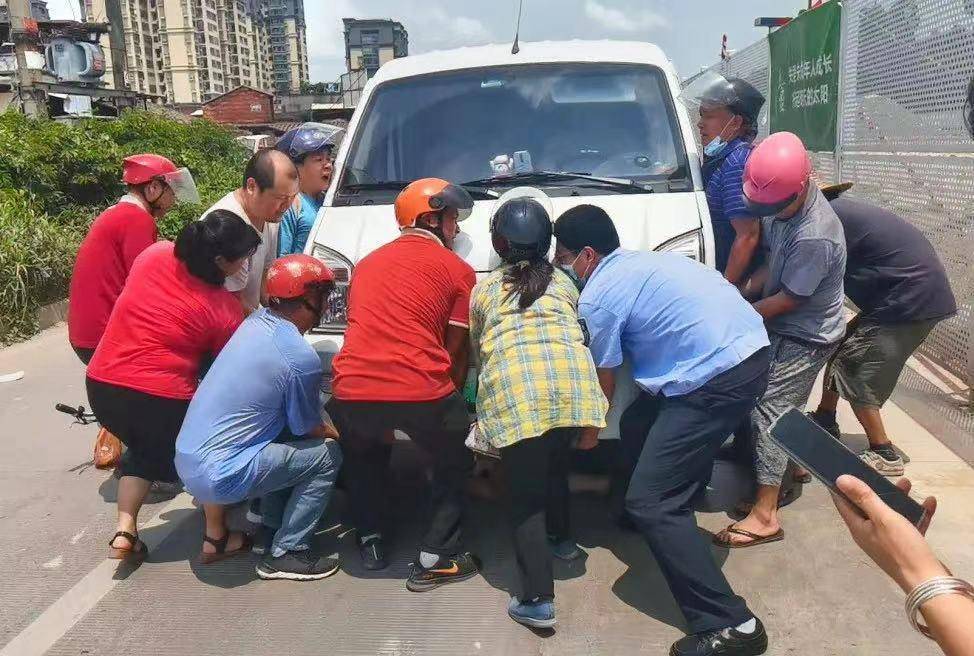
<point>137,551</point>
<point>220,544</point>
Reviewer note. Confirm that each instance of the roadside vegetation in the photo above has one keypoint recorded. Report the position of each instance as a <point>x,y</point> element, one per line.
<point>56,178</point>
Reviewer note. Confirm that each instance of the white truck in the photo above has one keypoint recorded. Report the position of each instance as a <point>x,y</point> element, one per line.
<point>593,122</point>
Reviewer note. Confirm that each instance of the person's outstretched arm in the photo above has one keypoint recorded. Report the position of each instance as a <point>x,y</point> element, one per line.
<point>894,544</point>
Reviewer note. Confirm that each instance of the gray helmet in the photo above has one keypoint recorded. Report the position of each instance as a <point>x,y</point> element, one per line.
<point>737,95</point>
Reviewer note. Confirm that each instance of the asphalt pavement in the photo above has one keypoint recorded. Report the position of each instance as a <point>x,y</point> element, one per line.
<point>815,591</point>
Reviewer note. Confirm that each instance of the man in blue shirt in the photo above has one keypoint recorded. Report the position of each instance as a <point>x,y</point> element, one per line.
<point>699,354</point>
<point>729,110</point>
<point>310,146</point>
<point>264,385</point>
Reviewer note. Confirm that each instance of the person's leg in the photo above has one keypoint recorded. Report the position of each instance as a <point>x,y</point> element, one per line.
<point>675,463</point>
<point>634,425</point>
<point>526,466</point>
<point>825,414</point>
<point>794,370</point>
<point>306,470</point>
<point>558,506</point>
<point>440,428</point>
<point>131,494</point>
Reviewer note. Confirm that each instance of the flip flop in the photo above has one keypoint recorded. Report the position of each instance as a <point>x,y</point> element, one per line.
<point>756,539</point>
<point>138,550</point>
<point>220,545</point>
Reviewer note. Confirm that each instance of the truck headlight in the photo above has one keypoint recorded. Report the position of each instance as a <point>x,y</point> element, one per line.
<point>689,244</point>
<point>334,319</point>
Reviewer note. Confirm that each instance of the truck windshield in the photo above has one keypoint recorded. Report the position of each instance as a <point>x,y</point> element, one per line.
<point>608,120</point>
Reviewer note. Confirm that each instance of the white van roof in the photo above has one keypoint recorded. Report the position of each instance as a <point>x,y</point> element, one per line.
<point>541,52</point>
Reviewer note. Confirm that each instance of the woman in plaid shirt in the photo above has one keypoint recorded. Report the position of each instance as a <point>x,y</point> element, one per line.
<point>537,390</point>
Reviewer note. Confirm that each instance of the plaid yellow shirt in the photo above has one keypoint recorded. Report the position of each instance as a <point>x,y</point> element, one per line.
<point>535,371</point>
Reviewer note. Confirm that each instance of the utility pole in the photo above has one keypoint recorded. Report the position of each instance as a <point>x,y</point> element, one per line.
<point>19,15</point>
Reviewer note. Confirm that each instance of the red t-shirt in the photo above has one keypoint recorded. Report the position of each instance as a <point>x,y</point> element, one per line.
<point>401,300</point>
<point>164,323</point>
<point>116,238</point>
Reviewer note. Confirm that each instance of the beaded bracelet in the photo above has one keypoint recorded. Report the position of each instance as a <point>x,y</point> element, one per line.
<point>927,590</point>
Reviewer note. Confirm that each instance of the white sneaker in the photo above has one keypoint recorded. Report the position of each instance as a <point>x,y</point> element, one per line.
<point>882,465</point>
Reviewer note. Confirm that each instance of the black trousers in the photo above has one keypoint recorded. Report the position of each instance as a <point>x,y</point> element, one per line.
<point>84,354</point>
<point>671,462</point>
<point>439,428</point>
<point>148,425</point>
<point>540,505</point>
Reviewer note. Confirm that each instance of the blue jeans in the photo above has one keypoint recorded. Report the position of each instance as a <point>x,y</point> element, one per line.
<point>294,482</point>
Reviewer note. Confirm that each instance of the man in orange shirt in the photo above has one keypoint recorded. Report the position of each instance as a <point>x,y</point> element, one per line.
<point>402,364</point>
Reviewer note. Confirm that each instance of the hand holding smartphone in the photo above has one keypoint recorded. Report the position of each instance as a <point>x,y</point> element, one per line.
<point>827,459</point>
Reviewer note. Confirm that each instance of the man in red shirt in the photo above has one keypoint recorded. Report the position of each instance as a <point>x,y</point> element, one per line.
<point>403,361</point>
<point>115,239</point>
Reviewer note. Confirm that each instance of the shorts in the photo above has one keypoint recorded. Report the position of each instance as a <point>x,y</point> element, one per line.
<point>148,425</point>
<point>84,354</point>
<point>871,357</point>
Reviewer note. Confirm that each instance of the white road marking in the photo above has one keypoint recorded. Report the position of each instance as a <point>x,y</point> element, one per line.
<point>41,634</point>
<point>77,536</point>
<point>54,563</point>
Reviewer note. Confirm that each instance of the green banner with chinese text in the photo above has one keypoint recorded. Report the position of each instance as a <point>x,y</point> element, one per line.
<point>805,76</point>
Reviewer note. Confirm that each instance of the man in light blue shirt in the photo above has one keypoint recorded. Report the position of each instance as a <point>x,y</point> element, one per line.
<point>263,386</point>
<point>699,354</point>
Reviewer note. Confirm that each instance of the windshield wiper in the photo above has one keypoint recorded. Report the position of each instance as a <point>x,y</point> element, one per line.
<point>551,176</point>
<point>398,185</point>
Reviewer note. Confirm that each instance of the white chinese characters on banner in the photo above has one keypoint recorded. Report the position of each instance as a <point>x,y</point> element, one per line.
<point>807,95</point>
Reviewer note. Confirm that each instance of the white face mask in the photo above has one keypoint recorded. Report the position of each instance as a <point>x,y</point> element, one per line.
<point>717,144</point>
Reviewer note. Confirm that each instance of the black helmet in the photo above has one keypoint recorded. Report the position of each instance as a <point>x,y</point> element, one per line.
<point>737,95</point>
<point>521,230</point>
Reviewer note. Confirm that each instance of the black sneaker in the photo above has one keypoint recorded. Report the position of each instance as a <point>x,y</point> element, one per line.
<point>373,553</point>
<point>827,422</point>
<point>726,642</point>
<point>452,569</point>
<point>297,566</point>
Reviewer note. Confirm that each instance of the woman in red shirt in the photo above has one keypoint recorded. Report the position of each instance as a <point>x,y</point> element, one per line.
<point>172,315</point>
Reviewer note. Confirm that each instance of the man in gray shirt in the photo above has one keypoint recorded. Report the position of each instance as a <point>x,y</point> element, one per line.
<point>801,300</point>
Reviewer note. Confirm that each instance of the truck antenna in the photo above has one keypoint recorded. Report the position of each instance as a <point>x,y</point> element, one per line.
<point>516,48</point>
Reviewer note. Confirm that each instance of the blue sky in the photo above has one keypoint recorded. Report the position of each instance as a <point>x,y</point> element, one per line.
<point>689,31</point>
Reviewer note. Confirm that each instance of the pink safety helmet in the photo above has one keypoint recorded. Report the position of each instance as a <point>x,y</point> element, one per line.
<point>776,174</point>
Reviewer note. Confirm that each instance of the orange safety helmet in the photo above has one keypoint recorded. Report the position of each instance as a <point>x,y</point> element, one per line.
<point>430,195</point>
<point>290,276</point>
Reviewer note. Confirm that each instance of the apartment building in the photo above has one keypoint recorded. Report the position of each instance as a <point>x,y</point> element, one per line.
<point>371,43</point>
<point>289,44</point>
<point>38,11</point>
<point>189,51</point>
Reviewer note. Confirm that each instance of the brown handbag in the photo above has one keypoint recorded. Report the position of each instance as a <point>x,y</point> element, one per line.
<point>108,450</point>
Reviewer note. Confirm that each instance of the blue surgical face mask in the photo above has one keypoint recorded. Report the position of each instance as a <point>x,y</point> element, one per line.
<point>717,144</point>
<point>569,269</point>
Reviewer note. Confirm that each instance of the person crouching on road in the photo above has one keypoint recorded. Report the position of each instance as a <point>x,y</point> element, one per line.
<point>900,287</point>
<point>311,147</point>
<point>537,391</point>
<point>699,353</point>
<point>402,365</point>
<point>172,316</point>
<point>266,383</point>
<point>801,301</point>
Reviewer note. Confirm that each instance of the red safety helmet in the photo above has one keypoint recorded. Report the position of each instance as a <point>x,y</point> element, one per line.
<point>140,169</point>
<point>291,276</point>
<point>776,174</point>
<point>431,195</point>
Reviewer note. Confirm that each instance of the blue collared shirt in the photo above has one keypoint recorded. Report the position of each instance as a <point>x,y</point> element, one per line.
<point>723,178</point>
<point>678,322</point>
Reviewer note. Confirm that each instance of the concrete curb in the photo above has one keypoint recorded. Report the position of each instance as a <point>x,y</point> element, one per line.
<point>52,314</point>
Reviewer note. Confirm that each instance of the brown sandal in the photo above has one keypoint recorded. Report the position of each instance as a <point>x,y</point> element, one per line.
<point>220,544</point>
<point>723,538</point>
<point>138,550</point>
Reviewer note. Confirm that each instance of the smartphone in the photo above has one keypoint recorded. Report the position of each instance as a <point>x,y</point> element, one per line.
<point>826,458</point>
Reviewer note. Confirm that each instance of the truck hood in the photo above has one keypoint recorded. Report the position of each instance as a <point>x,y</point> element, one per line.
<point>644,222</point>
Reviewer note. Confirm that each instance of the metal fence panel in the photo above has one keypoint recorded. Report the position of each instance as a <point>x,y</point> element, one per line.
<point>905,69</point>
